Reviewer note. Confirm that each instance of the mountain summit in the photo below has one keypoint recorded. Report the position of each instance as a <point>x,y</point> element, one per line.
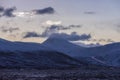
<point>64,46</point>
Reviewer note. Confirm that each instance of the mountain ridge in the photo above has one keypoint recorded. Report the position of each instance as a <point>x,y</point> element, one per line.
<point>86,55</point>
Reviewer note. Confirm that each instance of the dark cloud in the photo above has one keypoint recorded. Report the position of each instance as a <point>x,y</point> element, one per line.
<point>89,12</point>
<point>56,28</point>
<point>60,27</point>
<point>8,29</point>
<point>31,34</point>
<point>1,9</point>
<point>105,40</point>
<point>48,10</point>
<point>71,37</point>
<point>102,40</point>
<point>53,31</point>
<point>9,12</point>
<point>74,26</point>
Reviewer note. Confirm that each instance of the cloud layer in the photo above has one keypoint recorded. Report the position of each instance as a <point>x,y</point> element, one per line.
<point>11,12</point>
<point>53,31</point>
<point>71,37</point>
<point>56,28</point>
<point>8,29</point>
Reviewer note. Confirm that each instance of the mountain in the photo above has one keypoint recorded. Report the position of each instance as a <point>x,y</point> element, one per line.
<point>102,55</point>
<point>90,55</point>
<point>108,54</point>
<point>112,58</point>
<point>64,46</point>
<point>38,59</point>
<point>35,55</point>
<point>19,46</point>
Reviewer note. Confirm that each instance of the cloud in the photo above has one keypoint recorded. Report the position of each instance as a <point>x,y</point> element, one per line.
<point>30,34</point>
<point>110,40</point>
<point>9,12</point>
<point>74,26</point>
<point>105,40</point>
<point>1,9</point>
<point>8,29</point>
<point>61,27</point>
<point>48,10</point>
<point>56,28</point>
<point>49,30</point>
<point>71,37</point>
<point>89,12</point>
<point>32,13</point>
<point>102,40</point>
<point>118,28</point>
<point>49,22</point>
<point>53,31</point>
<point>23,14</point>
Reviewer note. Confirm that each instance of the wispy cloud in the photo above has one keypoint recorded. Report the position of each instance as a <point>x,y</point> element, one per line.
<point>118,28</point>
<point>8,29</point>
<point>102,40</point>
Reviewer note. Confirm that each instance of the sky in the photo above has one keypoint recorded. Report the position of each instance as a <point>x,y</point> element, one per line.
<point>88,21</point>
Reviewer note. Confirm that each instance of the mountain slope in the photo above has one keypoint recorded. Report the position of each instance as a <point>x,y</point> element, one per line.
<point>111,58</point>
<point>71,49</point>
<point>64,46</point>
<point>89,55</point>
<point>103,55</point>
<point>38,59</point>
<point>20,46</point>
<point>35,55</point>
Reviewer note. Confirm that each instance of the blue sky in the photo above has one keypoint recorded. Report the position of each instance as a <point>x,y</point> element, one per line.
<point>100,18</point>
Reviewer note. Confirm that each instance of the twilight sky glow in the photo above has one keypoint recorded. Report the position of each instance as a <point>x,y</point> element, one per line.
<point>94,21</point>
